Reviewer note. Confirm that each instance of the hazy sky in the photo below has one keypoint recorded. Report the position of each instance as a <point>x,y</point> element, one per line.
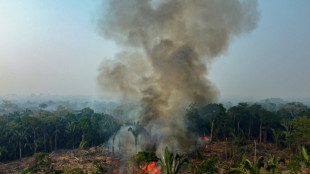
<point>53,47</point>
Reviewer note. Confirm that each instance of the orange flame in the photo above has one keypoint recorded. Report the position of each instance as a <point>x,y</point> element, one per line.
<point>115,169</point>
<point>151,168</point>
<point>205,137</point>
<point>206,147</point>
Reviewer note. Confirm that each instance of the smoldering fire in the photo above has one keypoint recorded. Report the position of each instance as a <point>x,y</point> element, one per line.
<point>167,46</point>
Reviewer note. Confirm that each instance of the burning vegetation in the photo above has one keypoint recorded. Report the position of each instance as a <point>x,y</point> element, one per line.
<point>167,46</point>
<point>232,147</point>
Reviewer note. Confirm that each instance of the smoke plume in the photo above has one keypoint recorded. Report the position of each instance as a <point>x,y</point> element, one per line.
<point>168,45</point>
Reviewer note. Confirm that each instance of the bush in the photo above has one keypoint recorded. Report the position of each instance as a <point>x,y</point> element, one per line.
<point>144,157</point>
<point>207,166</point>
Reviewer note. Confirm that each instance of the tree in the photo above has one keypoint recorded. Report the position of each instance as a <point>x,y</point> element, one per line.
<point>276,135</point>
<point>42,106</point>
<point>33,123</point>
<point>71,129</point>
<point>171,163</point>
<point>301,131</point>
<point>22,138</point>
<point>51,130</point>
<point>208,114</point>
<point>239,115</point>
<point>3,150</point>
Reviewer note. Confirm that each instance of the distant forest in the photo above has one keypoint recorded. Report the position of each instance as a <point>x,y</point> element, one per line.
<point>26,132</point>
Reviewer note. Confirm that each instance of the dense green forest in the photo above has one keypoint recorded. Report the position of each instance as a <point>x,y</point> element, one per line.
<point>28,132</point>
<point>288,126</point>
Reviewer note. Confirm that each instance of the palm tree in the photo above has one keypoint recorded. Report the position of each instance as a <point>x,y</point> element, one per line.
<point>55,133</point>
<point>22,138</point>
<point>171,163</point>
<point>71,129</point>
<point>287,136</point>
<point>247,165</point>
<point>273,164</point>
<point>276,135</point>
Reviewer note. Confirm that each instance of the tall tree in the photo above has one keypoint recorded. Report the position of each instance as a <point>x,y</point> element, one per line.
<point>22,138</point>
<point>301,131</point>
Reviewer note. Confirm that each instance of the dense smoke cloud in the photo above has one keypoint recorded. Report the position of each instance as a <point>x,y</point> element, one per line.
<point>168,45</point>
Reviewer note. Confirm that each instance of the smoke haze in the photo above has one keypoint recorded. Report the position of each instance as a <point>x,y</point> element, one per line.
<point>168,46</point>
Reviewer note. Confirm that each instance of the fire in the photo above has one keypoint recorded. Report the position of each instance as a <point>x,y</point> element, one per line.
<point>206,147</point>
<point>205,137</point>
<point>115,169</point>
<point>151,168</point>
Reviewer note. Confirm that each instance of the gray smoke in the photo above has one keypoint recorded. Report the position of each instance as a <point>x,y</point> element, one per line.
<point>169,44</point>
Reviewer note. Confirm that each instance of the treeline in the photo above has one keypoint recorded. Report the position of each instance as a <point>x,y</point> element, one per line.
<point>288,127</point>
<point>28,132</point>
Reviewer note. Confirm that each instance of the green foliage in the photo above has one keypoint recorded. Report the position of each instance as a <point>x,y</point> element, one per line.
<point>306,158</point>
<point>144,157</point>
<point>3,150</point>
<point>276,135</point>
<point>200,119</point>
<point>28,169</point>
<point>99,168</point>
<point>198,156</point>
<point>28,132</point>
<point>171,163</point>
<point>207,167</point>
<point>294,165</point>
<point>82,145</point>
<point>248,166</point>
<point>273,164</point>
<point>77,170</point>
<point>236,171</point>
<point>305,154</point>
<point>301,131</point>
<point>239,139</point>
<point>42,164</point>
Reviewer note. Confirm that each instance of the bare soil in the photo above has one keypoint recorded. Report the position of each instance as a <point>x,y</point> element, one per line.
<point>226,154</point>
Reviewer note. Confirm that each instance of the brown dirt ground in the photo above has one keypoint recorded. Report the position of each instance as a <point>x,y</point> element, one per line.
<point>84,159</point>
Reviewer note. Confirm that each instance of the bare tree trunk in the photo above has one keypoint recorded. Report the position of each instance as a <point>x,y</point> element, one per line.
<point>260,133</point>
<point>238,128</point>
<point>226,148</point>
<point>45,149</point>
<point>234,124</point>
<point>34,141</point>
<point>73,142</point>
<point>20,151</point>
<point>254,153</point>
<point>56,141</point>
<point>119,144</point>
<point>290,151</point>
<point>56,131</point>
<point>113,144</point>
<point>249,133</point>
<point>51,143</point>
<point>211,136</point>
